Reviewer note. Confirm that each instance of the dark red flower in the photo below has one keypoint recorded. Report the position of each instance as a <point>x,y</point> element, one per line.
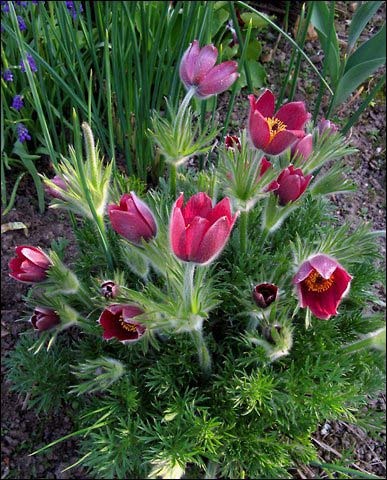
<point>275,132</point>
<point>231,142</point>
<point>198,232</point>
<point>290,184</point>
<point>198,70</point>
<point>132,219</point>
<point>44,319</point>
<point>30,264</point>
<point>265,294</point>
<point>118,322</point>
<point>321,285</point>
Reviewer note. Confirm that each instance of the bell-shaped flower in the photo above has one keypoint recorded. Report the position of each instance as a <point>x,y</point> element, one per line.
<point>265,294</point>
<point>44,319</point>
<point>30,264</point>
<point>273,132</point>
<point>321,284</point>
<point>325,125</point>
<point>198,71</point>
<point>118,321</point>
<point>290,184</point>
<point>132,219</point>
<point>303,148</point>
<point>198,232</point>
<point>56,187</point>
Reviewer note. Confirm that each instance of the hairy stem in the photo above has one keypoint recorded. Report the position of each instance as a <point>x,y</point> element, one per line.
<point>243,231</point>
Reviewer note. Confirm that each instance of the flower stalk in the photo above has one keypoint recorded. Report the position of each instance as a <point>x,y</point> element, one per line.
<point>243,231</point>
<point>203,353</point>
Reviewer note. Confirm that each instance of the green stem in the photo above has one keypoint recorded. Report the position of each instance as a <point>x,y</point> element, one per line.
<point>172,179</point>
<point>189,284</point>
<point>203,353</point>
<point>243,231</point>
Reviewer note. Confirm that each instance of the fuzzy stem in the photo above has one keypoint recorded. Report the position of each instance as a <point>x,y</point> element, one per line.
<point>184,104</point>
<point>203,353</point>
<point>243,231</point>
<point>172,179</point>
<point>189,284</point>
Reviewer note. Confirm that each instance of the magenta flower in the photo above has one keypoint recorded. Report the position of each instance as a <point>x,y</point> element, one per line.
<point>61,186</point>
<point>133,219</point>
<point>118,322</point>
<point>231,142</point>
<point>275,132</point>
<point>321,285</point>
<point>44,319</point>
<point>30,264</point>
<point>198,232</point>
<point>265,294</point>
<point>303,147</point>
<point>198,70</point>
<point>290,184</point>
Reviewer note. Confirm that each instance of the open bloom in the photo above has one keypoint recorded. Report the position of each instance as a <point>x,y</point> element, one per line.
<point>30,264</point>
<point>118,322</point>
<point>44,319</point>
<point>198,232</point>
<point>290,184</point>
<point>60,184</point>
<point>132,219</point>
<point>265,294</point>
<point>321,284</point>
<point>198,70</point>
<point>275,132</point>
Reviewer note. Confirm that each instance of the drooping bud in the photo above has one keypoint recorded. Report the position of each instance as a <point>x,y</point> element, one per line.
<point>265,294</point>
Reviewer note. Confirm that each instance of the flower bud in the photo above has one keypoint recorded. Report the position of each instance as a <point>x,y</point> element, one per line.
<point>44,319</point>
<point>109,289</point>
<point>231,142</point>
<point>60,185</point>
<point>30,264</point>
<point>326,125</point>
<point>265,294</point>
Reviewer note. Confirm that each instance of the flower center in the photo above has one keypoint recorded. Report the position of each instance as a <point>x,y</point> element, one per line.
<point>275,126</point>
<point>127,326</point>
<point>316,283</point>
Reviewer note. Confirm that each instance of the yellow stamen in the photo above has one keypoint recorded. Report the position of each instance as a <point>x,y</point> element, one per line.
<point>275,126</point>
<point>316,283</point>
<point>127,326</point>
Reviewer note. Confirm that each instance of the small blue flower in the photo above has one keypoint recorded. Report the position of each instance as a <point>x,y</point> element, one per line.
<point>8,75</point>
<point>73,10</point>
<point>22,23</point>
<point>17,102</point>
<point>4,6</point>
<point>32,63</point>
<point>22,133</point>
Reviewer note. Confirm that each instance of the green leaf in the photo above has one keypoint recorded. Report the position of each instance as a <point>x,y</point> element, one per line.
<point>372,50</point>
<point>218,19</point>
<point>257,21</point>
<point>360,19</point>
<point>254,49</point>
<point>257,73</point>
<point>320,20</point>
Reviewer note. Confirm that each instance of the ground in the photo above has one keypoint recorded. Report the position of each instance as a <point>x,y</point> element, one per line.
<point>23,431</point>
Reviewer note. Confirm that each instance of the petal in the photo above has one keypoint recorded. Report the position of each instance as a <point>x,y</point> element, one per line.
<point>194,235</point>
<point>213,241</point>
<point>265,104</point>
<point>293,114</point>
<point>145,213</point>
<point>304,183</point>
<point>264,166</point>
<point>130,225</point>
<point>303,272</point>
<point>259,130</point>
<point>324,265</point>
<point>221,209</point>
<point>177,236</point>
<point>35,255</point>
<point>322,305</point>
<point>280,142</point>
<point>342,282</point>
<point>304,147</point>
<point>109,321</point>
<point>187,64</point>
<point>204,63</point>
<point>199,205</point>
<point>219,79</point>
<point>289,189</point>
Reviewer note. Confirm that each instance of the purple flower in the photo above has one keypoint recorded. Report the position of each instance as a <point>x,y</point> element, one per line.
<point>8,75</point>
<point>73,10</point>
<point>4,7</point>
<point>31,62</point>
<point>22,133</point>
<point>22,23</point>
<point>17,102</point>
<point>22,4</point>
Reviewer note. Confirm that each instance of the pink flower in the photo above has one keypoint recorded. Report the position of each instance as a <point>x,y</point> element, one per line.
<point>231,142</point>
<point>290,184</point>
<point>132,219</point>
<point>275,132</point>
<point>265,294</point>
<point>198,70</point>
<point>198,232</point>
<point>30,264</point>
<point>44,319</point>
<point>324,125</point>
<point>117,322</point>
<point>56,192</point>
<point>303,147</point>
<point>321,285</point>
